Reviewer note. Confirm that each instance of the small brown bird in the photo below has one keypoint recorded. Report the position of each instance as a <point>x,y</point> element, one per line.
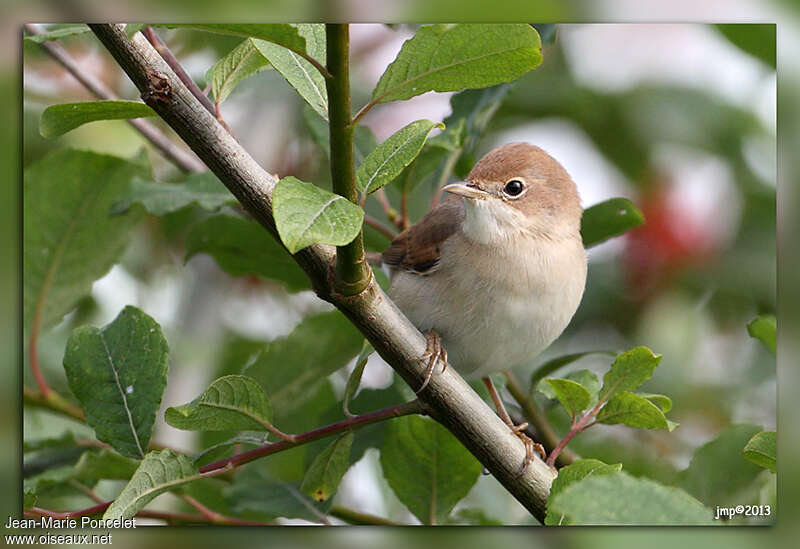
<point>494,273</point>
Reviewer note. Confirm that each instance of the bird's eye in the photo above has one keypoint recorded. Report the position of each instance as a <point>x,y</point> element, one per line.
<point>514,188</point>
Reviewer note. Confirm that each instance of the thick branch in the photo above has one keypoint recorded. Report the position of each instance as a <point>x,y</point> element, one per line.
<point>448,397</point>
<point>352,271</point>
<point>181,158</point>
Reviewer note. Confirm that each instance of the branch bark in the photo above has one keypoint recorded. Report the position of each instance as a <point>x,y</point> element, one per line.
<point>448,398</point>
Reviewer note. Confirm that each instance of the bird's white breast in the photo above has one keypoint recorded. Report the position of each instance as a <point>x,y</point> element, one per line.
<point>496,306</point>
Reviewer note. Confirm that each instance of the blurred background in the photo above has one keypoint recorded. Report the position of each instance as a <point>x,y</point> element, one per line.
<point>680,118</point>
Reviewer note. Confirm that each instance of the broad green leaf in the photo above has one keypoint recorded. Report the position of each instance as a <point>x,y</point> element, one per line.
<point>764,328</point>
<point>718,472</point>
<point>104,464</point>
<point>634,411</point>
<point>291,368</point>
<point>759,40</point>
<point>558,362</point>
<point>242,247</point>
<point>662,401</point>
<point>589,381</point>
<point>364,141</point>
<point>354,380</point>
<point>573,396</point>
<point>281,34</point>
<point>426,466</point>
<point>326,471</point>
<point>203,189</point>
<point>254,494</point>
<point>240,63</point>
<point>69,240</point>
<point>572,473</point>
<point>231,403</point>
<point>618,498</point>
<point>59,119</point>
<point>157,473</point>
<point>761,449</point>
<point>298,72</point>
<point>629,370</point>
<point>41,455</point>
<point>118,373</point>
<point>390,157</point>
<point>456,57</point>
<point>55,34</point>
<point>306,215</point>
<point>609,219</point>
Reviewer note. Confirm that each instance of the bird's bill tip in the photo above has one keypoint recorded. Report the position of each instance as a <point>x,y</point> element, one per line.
<point>465,189</point>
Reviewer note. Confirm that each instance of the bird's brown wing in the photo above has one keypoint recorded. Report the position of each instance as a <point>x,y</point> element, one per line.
<point>418,248</point>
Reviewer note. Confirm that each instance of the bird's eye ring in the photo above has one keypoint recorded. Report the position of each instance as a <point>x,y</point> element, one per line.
<point>514,188</point>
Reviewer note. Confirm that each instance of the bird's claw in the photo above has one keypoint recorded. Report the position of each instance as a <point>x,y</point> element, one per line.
<point>530,445</point>
<point>434,352</point>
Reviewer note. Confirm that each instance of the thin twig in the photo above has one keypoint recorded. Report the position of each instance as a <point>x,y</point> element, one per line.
<point>86,490</point>
<point>380,227</point>
<point>53,402</point>
<point>447,170</point>
<point>218,518</point>
<point>390,212</point>
<point>413,407</point>
<point>183,159</point>
<point>577,426</point>
<point>358,518</point>
<point>353,273</point>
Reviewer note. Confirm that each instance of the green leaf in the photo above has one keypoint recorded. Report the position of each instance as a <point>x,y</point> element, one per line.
<point>306,215</point>
<point>558,362</point>
<point>242,247</point>
<point>68,30</point>
<point>104,464</point>
<point>29,497</point>
<point>223,449</point>
<point>764,328</point>
<point>298,72</point>
<point>761,449</point>
<point>354,380</point>
<point>281,34</point>
<point>326,471</point>
<point>231,403</point>
<point>589,381</point>
<point>634,411</point>
<point>426,466</point>
<point>59,119</point>
<point>393,155</point>
<point>448,58</point>
<point>618,498</point>
<point>157,473</point>
<point>252,493</point>
<point>759,40</point>
<point>577,470</point>
<point>609,219</point>
<point>291,368</point>
<point>69,239</point>
<point>662,401</point>
<point>718,472</point>
<point>573,396</point>
<point>240,63</point>
<point>629,370</point>
<point>203,189</point>
<point>118,373</point>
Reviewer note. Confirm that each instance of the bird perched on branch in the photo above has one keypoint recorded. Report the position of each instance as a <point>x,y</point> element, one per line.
<point>494,273</point>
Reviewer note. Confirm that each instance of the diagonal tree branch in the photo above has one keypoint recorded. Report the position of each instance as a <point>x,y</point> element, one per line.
<point>448,398</point>
<point>181,158</point>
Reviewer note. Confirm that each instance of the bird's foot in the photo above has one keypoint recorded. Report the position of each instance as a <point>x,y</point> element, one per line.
<point>530,445</point>
<point>434,352</point>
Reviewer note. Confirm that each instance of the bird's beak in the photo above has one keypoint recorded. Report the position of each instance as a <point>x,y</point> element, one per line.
<point>466,189</point>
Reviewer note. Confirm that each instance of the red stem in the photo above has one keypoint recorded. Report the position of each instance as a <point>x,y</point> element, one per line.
<point>412,407</point>
<point>574,429</point>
